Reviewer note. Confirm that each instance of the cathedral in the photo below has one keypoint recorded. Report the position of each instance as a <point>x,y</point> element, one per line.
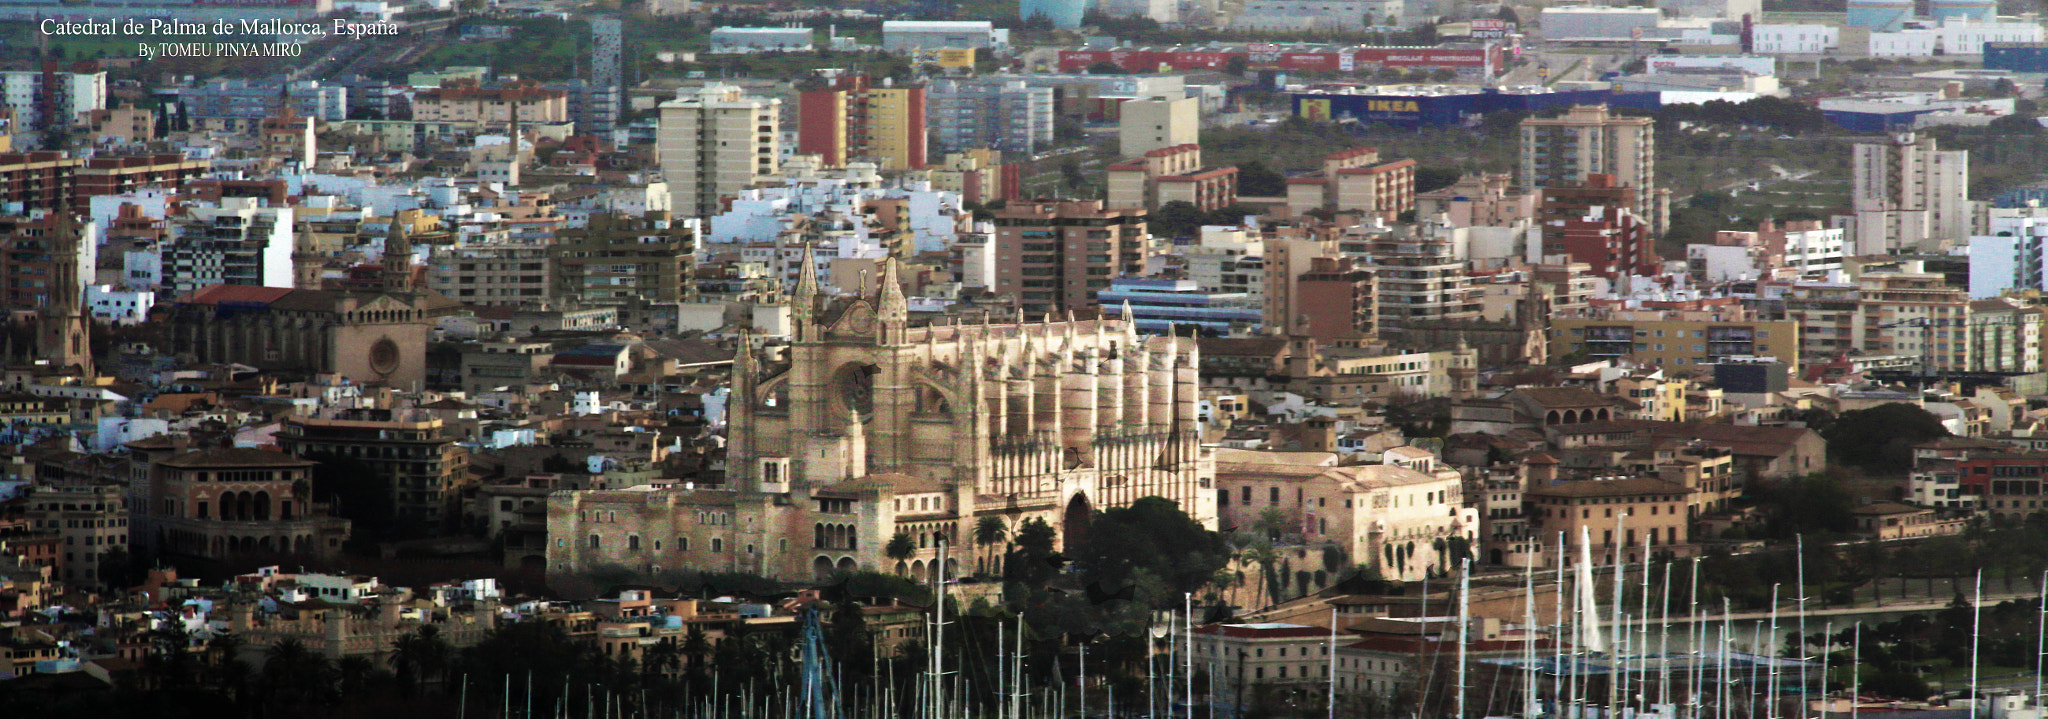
<point>864,427</point>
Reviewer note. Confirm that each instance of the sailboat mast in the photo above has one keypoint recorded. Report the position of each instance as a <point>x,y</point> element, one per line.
<point>1856,670</point>
<point>1976,633</point>
<point>1801,564</point>
<point>1331,702</point>
<point>1464,631</point>
<point>1620,548</point>
<point>2040,638</point>
<point>1664,643</point>
<point>1770,643</point>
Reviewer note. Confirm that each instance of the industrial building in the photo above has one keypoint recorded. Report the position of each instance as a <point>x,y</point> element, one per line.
<point>1416,107</point>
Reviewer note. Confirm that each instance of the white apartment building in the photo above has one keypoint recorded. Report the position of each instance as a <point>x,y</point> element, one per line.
<point>714,142</point>
<point>115,306</point>
<point>1908,195</point>
<point>1795,39</point>
<point>2012,255</point>
<point>1300,15</point>
<point>1815,251</point>
<point>75,93</point>
<point>237,243</point>
<point>1227,260</point>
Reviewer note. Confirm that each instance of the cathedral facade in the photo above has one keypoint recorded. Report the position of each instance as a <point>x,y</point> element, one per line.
<point>864,427</point>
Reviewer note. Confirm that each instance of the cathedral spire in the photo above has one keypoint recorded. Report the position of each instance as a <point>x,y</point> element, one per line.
<point>890,306</point>
<point>398,255</point>
<point>803,301</point>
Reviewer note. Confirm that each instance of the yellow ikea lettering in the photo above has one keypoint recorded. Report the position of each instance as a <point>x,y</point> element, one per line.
<point>1391,106</point>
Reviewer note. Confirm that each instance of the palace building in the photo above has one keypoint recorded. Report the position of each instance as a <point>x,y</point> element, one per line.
<point>864,427</point>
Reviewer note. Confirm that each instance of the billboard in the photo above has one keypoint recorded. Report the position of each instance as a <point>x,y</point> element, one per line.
<point>956,57</point>
<point>1490,28</point>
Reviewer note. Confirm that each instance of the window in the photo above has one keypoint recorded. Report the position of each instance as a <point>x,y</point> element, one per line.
<point>593,541</point>
<point>633,543</point>
<point>682,544</point>
<point>717,545</point>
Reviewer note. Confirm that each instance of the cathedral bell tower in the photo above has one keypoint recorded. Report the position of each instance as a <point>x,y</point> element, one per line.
<point>63,333</point>
<point>398,255</point>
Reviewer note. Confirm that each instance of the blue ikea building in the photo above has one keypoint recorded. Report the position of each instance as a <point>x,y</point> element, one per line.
<point>2016,56</point>
<point>1439,110</point>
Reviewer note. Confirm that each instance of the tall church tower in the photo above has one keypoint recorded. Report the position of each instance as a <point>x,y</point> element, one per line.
<point>63,335</point>
<point>307,262</point>
<point>398,255</point>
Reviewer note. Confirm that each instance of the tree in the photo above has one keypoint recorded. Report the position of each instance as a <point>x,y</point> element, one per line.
<point>1105,67</point>
<point>1429,179</point>
<point>419,657</point>
<point>1178,218</point>
<point>1880,439</point>
<point>900,548</point>
<point>1507,13</point>
<point>988,532</point>
<point>1256,180</point>
<point>1236,65</point>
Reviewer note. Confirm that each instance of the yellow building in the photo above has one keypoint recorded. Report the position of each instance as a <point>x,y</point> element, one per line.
<point>1671,339</point>
<point>465,102</point>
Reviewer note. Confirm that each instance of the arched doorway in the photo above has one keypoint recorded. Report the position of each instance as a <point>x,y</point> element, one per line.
<point>1074,524</point>
<point>846,564</point>
<point>822,568</point>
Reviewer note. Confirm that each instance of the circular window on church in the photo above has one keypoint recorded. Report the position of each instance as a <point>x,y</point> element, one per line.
<point>855,385</point>
<point>384,356</point>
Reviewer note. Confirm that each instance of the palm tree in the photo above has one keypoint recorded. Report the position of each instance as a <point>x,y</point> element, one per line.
<point>419,656</point>
<point>987,533</point>
<point>696,648</point>
<point>353,674</point>
<point>661,658</point>
<point>293,674</point>
<point>900,548</point>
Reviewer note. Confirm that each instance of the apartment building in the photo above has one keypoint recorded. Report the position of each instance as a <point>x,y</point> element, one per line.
<point>1673,339</point>
<point>1588,140</point>
<point>492,274</point>
<point>713,142</point>
<point>1257,659</point>
<point>49,99</point>
<point>238,243</point>
<point>1486,199</point>
<point>1153,123</point>
<point>416,457</point>
<point>1652,511</point>
<point>1340,300</point>
<point>1422,280</point>
<point>849,116</point>
<point>240,105</point>
<point>465,102</point>
<point>615,260</point>
<point>92,519</point>
<point>1010,116</point>
<point>1592,222</point>
<point>1054,256</point>
<point>1908,195</point>
<point>1171,174</point>
<point>1355,180</point>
